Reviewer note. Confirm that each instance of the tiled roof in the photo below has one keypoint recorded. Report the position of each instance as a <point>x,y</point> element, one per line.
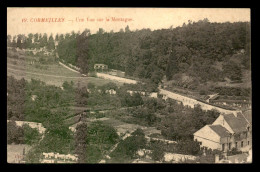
<point>237,124</point>
<point>248,115</point>
<point>221,131</point>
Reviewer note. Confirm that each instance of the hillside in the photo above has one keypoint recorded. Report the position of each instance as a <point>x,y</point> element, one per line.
<point>46,69</point>
<point>197,59</point>
<point>202,51</point>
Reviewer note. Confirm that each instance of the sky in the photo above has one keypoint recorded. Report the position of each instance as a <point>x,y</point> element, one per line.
<point>153,18</point>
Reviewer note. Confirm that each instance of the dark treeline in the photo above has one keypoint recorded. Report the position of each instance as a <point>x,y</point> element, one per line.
<point>192,49</point>
<point>32,41</point>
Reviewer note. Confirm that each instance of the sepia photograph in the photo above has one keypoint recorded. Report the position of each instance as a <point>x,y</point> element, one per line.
<point>92,85</point>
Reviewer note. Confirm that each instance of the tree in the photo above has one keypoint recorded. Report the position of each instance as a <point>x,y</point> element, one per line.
<point>36,37</point>
<point>172,67</point>
<point>233,71</point>
<point>19,41</point>
<point>57,37</point>
<point>14,43</point>
<point>14,133</point>
<point>81,142</point>
<point>138,132</point>
<point>44,40</point>
<point>157,152</point>
<point>61,37</point>
<point>31,135</point>
<point>127,148</point>
<point>51,44</point>
<point>127,30</point>
<point>100,31</point>
<point>187,146</point>
<point>29,40</point>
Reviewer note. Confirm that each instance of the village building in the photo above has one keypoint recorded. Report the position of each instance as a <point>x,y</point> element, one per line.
<point>101,67</point>
<point>226,132</point>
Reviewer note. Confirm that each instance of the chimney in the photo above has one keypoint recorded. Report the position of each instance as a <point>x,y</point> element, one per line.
<point>216,158</point>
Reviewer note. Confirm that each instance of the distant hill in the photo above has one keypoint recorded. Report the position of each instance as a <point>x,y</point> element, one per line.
<point>200,51</point>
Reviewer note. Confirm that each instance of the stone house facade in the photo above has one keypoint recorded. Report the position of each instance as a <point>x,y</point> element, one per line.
<point>226,132</point>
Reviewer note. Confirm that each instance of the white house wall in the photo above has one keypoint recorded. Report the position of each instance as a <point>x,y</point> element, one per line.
<point>212,141</point>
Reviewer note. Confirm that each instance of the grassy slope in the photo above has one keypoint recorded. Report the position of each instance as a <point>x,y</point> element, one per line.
<point>55,73</point>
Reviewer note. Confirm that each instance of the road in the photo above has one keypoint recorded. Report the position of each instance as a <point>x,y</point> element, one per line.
<point>187,101</point>
<point>119,79</point>
<point>68,68</point>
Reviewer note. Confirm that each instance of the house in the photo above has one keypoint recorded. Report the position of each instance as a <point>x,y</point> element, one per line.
<point>226,132</point>
<point>101,67</point>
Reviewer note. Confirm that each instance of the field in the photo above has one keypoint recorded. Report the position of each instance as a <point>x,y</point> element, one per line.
<point>52,74</point>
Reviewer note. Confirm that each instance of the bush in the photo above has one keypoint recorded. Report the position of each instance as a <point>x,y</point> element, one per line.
<point>91,85</point>
<point>157,152</point>
<point>188,147</point>
<point>233,151</point>
<point>128,147</point>
<point>31,135</point>
<point>15,134</point>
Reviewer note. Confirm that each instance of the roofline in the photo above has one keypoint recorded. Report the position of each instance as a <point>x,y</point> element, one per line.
<point>245,118</point>
<point>226,122</point>
<point>216,132</point>
<point>236,117</point>
<point>201,129</point>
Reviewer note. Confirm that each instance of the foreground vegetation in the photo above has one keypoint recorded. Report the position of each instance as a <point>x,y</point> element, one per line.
<point>52,108</point>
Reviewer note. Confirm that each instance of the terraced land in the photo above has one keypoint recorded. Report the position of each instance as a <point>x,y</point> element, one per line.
<point>52,74</point>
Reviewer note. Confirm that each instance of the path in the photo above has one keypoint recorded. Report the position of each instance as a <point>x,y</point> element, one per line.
<point>119,79</point>
<point>69,68</point>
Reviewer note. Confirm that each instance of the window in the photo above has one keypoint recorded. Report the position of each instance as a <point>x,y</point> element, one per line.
<point>236,144</point>
<point>247,142</point>
<point>229,146</point>
<point>241,144</point>
<point>223,147</point>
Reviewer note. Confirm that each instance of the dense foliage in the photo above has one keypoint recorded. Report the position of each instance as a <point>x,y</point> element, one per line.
<point>94,141</point>
<point>22,135</point>
<point>127,149</point>
<point>193,50</point>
